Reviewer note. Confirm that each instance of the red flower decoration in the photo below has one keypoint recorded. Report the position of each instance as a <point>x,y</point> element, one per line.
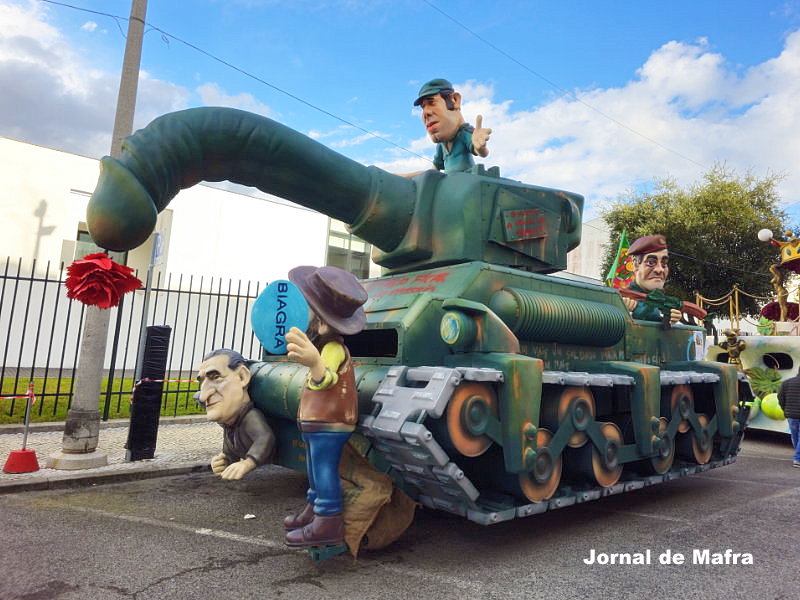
<point>772,311</point>
<point>96,280</point>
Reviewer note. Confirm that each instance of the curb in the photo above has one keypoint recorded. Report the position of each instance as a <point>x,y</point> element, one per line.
<point>110,424</point>
<point>83,479</point>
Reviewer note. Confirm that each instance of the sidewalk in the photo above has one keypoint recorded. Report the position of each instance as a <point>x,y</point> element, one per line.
<point>184,445</point>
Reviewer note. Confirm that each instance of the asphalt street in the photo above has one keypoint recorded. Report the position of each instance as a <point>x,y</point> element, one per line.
<point>186,536</point>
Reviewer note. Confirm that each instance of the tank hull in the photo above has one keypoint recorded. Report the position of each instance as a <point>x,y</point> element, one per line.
<point>479,405</point>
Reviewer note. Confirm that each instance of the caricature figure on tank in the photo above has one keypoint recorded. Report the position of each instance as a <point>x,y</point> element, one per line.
<point>328,410</point>
<point>456,141</point>
<point>248,440</point>
<point>651,267</point>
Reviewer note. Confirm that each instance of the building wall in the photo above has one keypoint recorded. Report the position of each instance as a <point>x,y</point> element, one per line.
<point>207,231</point>
<point>587,258</point>
<point>42,201</point>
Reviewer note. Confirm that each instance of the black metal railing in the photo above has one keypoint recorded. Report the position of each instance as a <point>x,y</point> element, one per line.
<point>40,332</point>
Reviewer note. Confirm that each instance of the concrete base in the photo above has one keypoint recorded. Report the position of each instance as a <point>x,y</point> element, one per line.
<point>74,462</point>
<point>81,431</point>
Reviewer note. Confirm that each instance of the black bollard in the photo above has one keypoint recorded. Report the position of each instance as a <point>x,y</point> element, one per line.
<point>146,407</point>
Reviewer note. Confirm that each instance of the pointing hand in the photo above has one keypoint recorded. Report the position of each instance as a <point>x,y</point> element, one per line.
<point>480,136</point>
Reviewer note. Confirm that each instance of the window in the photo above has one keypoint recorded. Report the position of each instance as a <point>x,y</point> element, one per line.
<point>347,251</point>
<point>85,245</point>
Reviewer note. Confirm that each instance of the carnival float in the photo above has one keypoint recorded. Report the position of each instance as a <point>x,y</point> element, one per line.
<point>488,386</point>
<point>773,355</point>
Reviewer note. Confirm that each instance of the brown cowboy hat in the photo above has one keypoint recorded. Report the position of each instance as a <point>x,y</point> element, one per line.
<point>334,294</point>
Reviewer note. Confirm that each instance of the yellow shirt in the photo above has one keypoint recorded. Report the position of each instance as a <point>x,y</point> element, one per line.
<point>333,357</point>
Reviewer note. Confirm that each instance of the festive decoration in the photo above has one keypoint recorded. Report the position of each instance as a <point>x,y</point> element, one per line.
<point>772,311</point>
<point>620,274</point>
<point>772,408</point>
<point>790,249</point>
<point>790,261</point>
<point>96,280</point>
<point>765,326</point>
<point>763,381</point>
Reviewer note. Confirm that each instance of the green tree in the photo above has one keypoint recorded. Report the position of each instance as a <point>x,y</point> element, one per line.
<point>711,227</point>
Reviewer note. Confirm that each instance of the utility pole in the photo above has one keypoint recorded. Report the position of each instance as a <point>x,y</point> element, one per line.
<point>82,428</point>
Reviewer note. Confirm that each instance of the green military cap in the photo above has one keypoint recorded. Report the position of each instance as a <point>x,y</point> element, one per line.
<point>434,86</point>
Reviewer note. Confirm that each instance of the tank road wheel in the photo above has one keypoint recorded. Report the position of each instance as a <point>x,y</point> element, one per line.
<point>589,462</point>
<point>696,446</point>
<point>575,402</point>
<point>542,483</point>
<point>682,397</point>
<point>666,455</point>
<point>607,476</point>
<point>468,415</point>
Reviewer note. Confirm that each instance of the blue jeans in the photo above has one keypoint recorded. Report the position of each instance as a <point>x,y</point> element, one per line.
<point>794,430</point>
<point>323,451</point>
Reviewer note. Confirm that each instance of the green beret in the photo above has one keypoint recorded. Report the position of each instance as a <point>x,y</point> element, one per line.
<point>434,86</point>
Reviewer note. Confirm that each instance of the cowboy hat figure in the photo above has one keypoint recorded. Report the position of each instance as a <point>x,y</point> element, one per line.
<point>328,410</point>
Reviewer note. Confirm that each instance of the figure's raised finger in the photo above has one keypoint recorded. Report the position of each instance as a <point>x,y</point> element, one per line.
<point>296,336</point>
<point>479,122</point>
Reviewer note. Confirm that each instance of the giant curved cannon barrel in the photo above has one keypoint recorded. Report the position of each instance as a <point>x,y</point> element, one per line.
<point>180,149</point>
<point>491,388</point>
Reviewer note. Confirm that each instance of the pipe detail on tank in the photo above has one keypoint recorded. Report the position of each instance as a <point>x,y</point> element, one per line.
<point>536,316</point>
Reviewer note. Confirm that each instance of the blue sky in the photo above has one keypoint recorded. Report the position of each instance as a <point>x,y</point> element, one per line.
<point>594,97</point>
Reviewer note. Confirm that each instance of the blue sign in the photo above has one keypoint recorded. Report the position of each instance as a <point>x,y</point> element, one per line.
<point>277,309</point>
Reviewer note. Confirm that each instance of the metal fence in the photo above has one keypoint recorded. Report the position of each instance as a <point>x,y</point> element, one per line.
<point>40,332</point>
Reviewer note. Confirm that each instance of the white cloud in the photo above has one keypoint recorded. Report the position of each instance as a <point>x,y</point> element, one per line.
<point>54,97</point>
<point>89,26</point>
<point>212,95</point>
<point>697,108</point>
<point>316,134</point>
<point>359,139</point>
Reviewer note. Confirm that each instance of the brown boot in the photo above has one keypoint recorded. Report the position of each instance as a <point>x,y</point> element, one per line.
<point>324,530</point>
<point>299,520</point>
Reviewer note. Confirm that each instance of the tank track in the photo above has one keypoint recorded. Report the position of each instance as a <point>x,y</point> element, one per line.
<point>407,396</point>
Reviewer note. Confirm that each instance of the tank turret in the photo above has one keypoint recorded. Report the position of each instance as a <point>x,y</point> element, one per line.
<point>488,386</point>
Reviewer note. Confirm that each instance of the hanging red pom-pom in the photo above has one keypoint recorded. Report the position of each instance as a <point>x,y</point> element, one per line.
<point>96,280</point>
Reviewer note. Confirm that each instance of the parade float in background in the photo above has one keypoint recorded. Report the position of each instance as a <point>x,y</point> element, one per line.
<point>488,387</point>
<point>774,354</point>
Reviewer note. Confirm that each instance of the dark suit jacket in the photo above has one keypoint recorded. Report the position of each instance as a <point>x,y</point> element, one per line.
<point>251,436</point>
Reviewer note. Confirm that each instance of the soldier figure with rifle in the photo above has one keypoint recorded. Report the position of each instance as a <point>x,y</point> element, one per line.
<point>645,296</point>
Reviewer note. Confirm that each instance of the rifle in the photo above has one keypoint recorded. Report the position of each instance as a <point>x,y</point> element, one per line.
<point>658,299</point>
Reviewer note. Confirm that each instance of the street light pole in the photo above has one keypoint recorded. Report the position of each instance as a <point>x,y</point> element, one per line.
<point>82,427</point>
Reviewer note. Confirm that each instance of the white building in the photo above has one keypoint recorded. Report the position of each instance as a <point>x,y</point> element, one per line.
<point>587,259</point>
<point>206,231</point>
